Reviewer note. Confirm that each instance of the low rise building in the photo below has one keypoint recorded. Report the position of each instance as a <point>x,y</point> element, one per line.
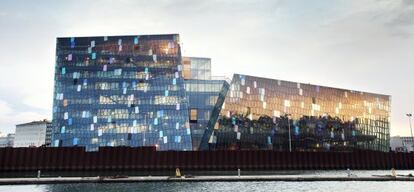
<point>402,144</point>
<point>7,141</point>
<point>33,134</point>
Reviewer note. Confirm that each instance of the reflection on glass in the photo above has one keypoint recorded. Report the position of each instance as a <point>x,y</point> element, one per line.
<point>256,114</point>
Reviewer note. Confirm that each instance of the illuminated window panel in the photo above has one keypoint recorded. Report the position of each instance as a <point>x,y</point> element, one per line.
<point>193,115</point>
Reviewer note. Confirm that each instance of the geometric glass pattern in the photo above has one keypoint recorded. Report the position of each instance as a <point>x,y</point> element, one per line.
<point>139,91</point>
<point>120,91</point>
<point>260,113</point>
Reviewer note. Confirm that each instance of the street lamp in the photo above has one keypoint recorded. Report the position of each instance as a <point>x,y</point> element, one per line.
<point>290,136</point>
<point>409,115</point>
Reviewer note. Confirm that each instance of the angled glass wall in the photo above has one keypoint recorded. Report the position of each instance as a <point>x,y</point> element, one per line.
<point>203,97</point>
<point>120,90</point>
<point>260,113</point>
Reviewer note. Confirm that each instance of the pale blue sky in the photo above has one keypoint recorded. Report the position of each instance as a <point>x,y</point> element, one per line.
<point>365,45</point>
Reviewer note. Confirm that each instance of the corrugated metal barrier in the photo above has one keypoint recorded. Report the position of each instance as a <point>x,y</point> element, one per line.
<point>147,158</point>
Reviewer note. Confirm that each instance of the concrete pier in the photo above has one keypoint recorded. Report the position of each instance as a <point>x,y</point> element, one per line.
<point>293,178</point>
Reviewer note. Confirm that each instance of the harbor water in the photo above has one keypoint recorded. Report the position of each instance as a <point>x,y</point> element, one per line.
<point>330,186</point>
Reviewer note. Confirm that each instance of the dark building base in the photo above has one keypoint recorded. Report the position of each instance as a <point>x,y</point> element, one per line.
<point>147,158</point>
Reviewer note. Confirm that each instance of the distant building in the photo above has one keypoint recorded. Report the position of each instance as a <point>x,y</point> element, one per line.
<point>49,129</point>
<point>33,134</point>
<point>402,144</point>
<point>7,141</point>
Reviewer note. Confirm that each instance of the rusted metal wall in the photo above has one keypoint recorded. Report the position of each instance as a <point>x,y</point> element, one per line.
<point>147,158</point>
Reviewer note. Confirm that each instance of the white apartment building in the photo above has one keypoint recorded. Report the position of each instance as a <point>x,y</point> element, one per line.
<point>402,144</point>
<point>33,134</point>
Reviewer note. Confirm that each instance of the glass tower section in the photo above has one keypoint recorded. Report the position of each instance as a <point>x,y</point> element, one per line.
<point>120,91</point>
<point>196,68</point>
<point>260,113</point>
<point>204,96</point>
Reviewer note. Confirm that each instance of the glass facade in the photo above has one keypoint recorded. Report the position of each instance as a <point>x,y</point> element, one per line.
<point>196,68</point>
<point>203,97</point>
<point>120,90</point>
<point>260,113</point>
<point>139,91</point>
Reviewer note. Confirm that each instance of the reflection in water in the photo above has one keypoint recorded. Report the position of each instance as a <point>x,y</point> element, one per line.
<point>219,186</point>
<point>234,186</point>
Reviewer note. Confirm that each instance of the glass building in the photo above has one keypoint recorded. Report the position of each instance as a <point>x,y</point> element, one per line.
<point>260,113</point>
<point>139,91</point>
<point>120,90</point>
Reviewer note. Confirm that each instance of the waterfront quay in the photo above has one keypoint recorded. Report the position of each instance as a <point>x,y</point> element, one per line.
<point>227,178</point>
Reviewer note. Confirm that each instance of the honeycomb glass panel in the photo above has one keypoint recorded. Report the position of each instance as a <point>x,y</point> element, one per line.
<point>120,91</point>
<point>259,113</point>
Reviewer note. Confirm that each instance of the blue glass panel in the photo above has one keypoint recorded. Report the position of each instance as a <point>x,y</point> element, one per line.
<point>160,113</point>
<point>72,42</point>
<point>56,143</point>
<point>296,130</point>
<point>75,141</point>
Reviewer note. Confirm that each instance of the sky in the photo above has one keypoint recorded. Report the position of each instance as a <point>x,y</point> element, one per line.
<point>365,45</point>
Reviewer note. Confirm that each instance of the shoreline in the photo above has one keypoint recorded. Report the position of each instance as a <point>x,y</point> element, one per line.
<point>67,180</point>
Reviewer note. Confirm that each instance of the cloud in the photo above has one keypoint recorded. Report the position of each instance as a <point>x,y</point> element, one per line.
<point>403,14</point>
<point>364,45</point>
<point>396,15</point>
<point>9,117</point>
